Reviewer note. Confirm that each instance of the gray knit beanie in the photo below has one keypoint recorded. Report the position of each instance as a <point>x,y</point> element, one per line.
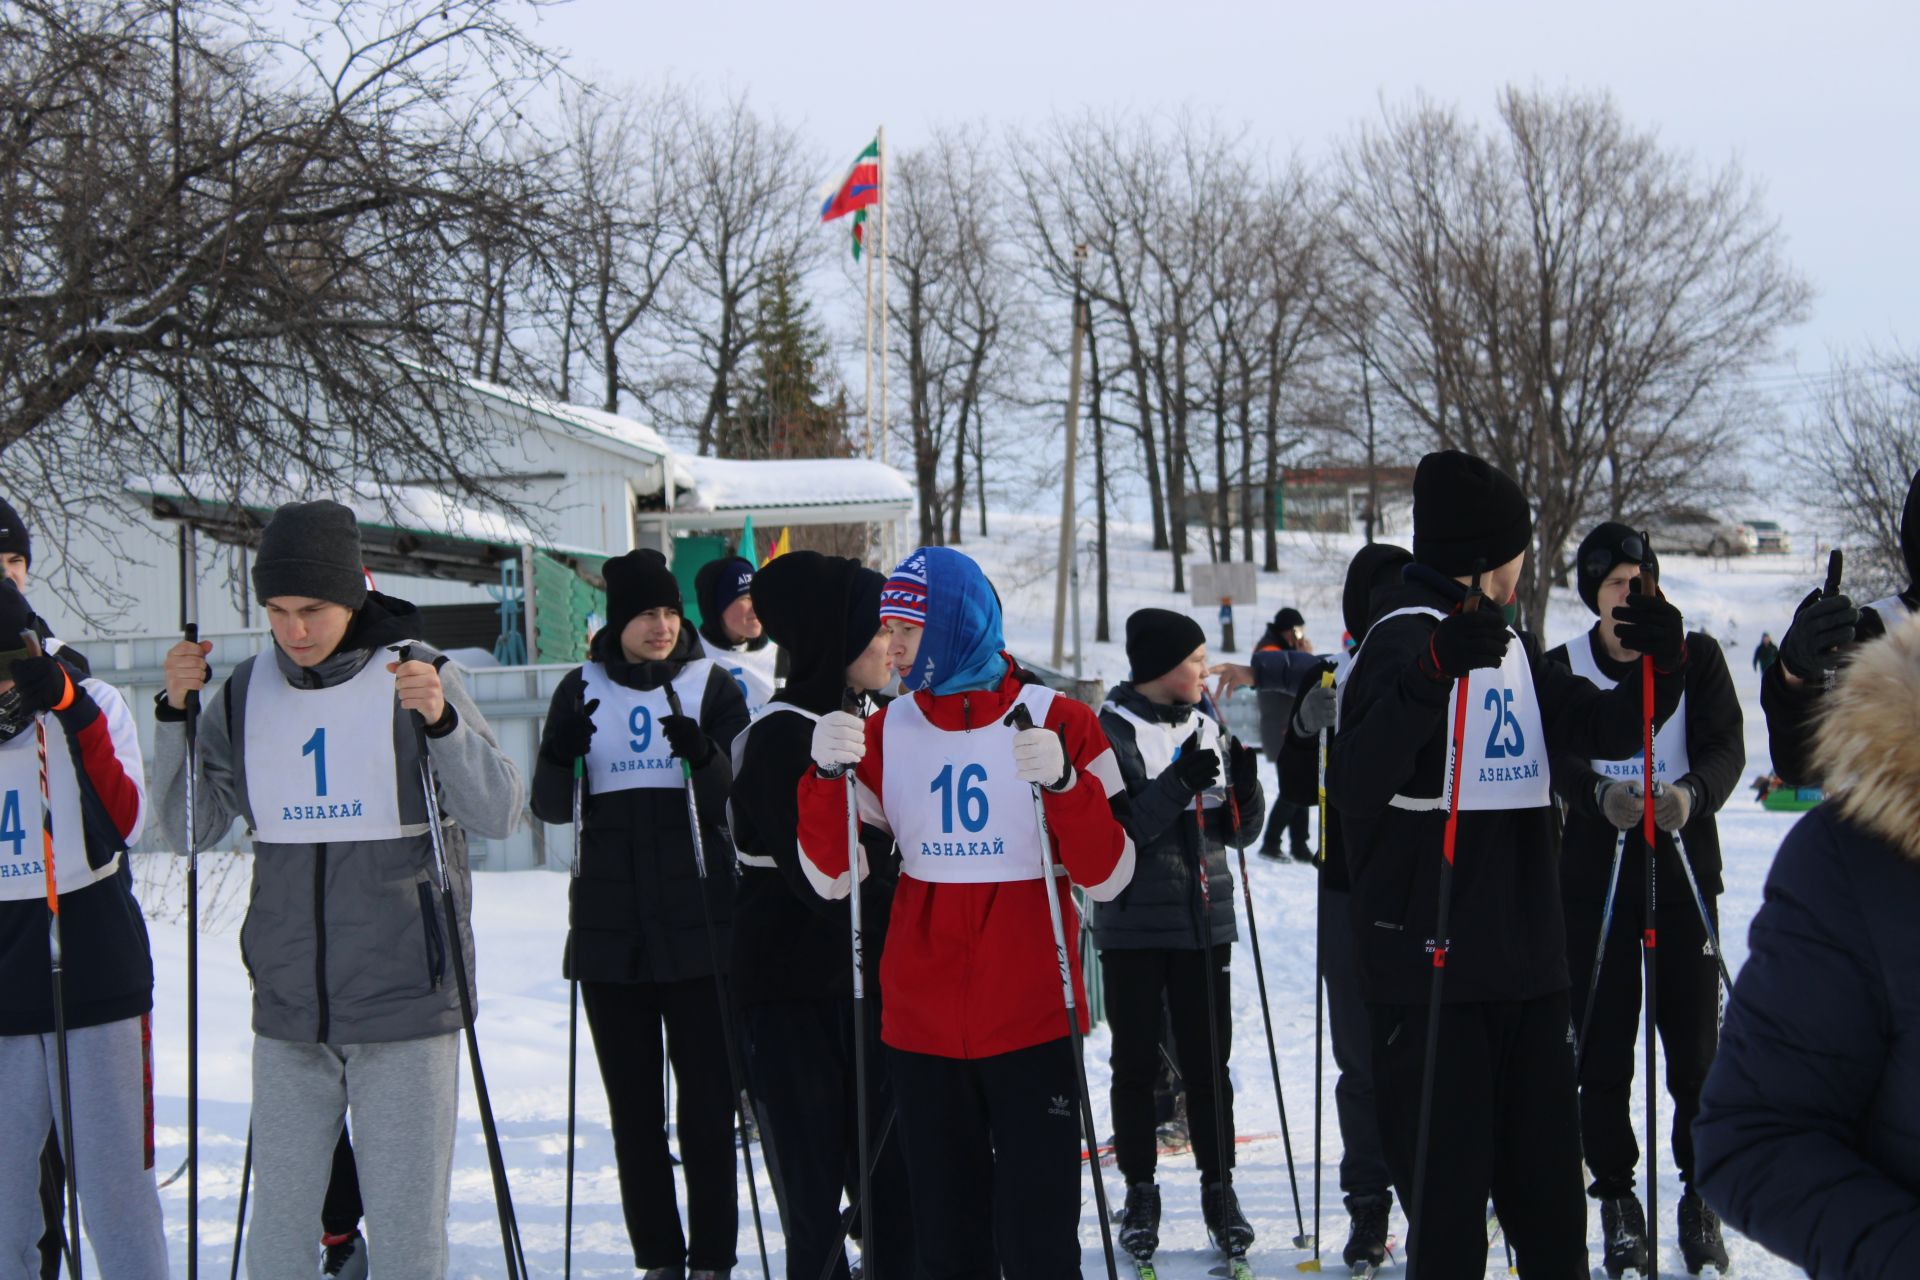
<point>311,549</point>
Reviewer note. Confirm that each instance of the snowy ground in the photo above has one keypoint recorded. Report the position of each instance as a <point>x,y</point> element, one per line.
<point>520,920</point>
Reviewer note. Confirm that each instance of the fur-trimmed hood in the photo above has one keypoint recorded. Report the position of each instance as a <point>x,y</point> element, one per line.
<point>1868,743</point>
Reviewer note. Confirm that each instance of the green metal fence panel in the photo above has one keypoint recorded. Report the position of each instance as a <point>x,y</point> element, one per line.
<point>565,606</point>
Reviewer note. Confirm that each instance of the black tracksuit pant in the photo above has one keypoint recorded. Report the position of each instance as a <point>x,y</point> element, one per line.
<point>1139,985</point>
<point>626,1021</point>
<point>1290,818</point>
<point>1687,1014</point>
<point>800,1064</point>
<point>341,1211</point>
<point>993,1159</point>
<point>1504,1123</point>
<point>1364,1177</point>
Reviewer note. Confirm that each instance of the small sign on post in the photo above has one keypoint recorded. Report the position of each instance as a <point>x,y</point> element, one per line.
<point>1225,584</point>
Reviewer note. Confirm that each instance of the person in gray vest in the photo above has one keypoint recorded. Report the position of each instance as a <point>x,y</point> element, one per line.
<point>315,744</point>
<point>639,944</point>
<point>1151,940</point>
<point>1698,757</point>
<point>1824,627</point>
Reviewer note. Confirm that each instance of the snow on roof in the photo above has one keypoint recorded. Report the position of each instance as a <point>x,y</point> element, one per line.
<point>724,484</point>
<point>410,508</point>
<point>632,435</point>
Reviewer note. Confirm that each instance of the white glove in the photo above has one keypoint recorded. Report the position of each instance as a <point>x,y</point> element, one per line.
<point>839,741</point>
<point>1039,757</point>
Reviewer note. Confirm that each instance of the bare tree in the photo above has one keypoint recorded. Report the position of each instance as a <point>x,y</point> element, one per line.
<point>744,189</point>
<point>1853,455</point>
<point>1563,297</point>
<point>281,272</point>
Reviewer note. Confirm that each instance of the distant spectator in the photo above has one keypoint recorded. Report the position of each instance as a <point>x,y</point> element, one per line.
<point>1285,634</point>
<point>1766,653</point>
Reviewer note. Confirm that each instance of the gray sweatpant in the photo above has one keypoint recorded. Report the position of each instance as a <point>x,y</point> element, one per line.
<point>404,1098</point>
<point>119,1205</point>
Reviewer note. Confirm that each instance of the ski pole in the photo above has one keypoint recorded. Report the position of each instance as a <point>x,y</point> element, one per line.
<point>1221,1087</point>
<point>1022,719</point>
<point>838,1254</point>
<point>1599,952</point>
<point>1431,1056</point>
<point>502,1194</point>
<point>1706,921</point>
<point>191,629</point>
<point>1319,990</point>
<point>851,703</point>
<point>240,1217</point>
<point>573,1023</point>
<point>57,963</point>
<point>1650,942</point>
<point>735,1069</point>
<point>1301,1239</point>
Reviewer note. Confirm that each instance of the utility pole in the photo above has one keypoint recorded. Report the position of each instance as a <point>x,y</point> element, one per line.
<point>1067,511</point>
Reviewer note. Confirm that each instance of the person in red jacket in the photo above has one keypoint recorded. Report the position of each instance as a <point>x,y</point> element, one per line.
<point>982,1067</point>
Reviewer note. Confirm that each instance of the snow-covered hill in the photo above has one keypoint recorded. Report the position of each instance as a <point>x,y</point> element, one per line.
<point>520,919</point>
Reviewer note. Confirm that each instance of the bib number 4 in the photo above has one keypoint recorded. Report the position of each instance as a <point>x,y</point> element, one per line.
<point>12,830</point>
<point>972,799</point>
<point>1504,739</point>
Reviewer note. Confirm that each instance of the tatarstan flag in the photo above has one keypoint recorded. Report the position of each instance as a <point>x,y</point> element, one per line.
<point>856,193</point>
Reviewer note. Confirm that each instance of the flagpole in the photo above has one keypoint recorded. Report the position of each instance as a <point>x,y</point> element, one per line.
<point>886,448</point>
<point>869,400</point>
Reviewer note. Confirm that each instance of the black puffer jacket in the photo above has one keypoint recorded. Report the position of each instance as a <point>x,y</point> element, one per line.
<point>1159,909</point>
<point>1808,1137</point>
<point>635,902</point>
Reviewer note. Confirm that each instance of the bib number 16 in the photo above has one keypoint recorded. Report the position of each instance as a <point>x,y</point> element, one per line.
<point>972,799</point>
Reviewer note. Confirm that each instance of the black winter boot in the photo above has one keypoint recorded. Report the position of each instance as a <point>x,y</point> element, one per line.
<point>1700,1242</point>
<point>1623,1230</point>
<point>1366,1250</point>
<point>1226,1225</point>
<point>1140,1220</point>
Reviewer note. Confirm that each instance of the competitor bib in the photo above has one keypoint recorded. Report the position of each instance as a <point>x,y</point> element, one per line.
<point>739,756</point>
<point>320,762</point>
<point>959,812</point>
<point>23,874</point>
<point>752,670</point>
<point>1669,745</point>
<point>629,750</point>
<point>1160,742</point>
<point>1505,764</point>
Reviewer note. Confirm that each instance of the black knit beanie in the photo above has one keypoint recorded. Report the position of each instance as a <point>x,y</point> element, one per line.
<point>636,582</point>
<point>311,549</point>
<point>1601,552</point>
<point>1374,568</point>
<point>1158,640</point>
<point>1287,619</point>
<point>719,583</point>
<point>15,538</point>
<point>1465,509</point>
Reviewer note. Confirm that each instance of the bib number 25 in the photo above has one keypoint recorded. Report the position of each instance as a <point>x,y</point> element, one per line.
<point>1504,739</point>
<point>971,798</point>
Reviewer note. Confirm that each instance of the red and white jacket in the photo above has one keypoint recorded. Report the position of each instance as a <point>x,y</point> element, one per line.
<point>969,969</point>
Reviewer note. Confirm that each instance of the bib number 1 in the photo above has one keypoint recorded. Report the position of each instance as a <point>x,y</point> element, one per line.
<point>316,746</point>
<point>972,798</point>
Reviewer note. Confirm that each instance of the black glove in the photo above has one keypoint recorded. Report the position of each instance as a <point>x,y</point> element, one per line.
<point>1243,765</point>
<point>1467,642</point>
<point>685,739</point>
<point>1197,767</point>
<point>1821,624</point>
<point>44,685</point>
<point>1650,625</point>
<point>569,733</point>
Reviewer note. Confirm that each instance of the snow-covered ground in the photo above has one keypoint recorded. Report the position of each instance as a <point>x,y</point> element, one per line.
<point>520,919</point>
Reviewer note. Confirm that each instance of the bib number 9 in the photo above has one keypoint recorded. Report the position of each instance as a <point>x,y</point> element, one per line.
<point>972,799</point>
<point>640,725</point>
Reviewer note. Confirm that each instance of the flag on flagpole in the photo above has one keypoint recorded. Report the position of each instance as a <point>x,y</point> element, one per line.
<point>780,548</point>
<point>747,550</point>
<point>855,194</point>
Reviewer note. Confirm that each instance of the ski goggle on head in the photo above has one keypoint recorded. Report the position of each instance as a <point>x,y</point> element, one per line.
<point>1601,559</point>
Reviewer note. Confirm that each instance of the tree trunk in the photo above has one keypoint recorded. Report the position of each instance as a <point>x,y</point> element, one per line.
<point>1102,626</point>
<point>957,507</point>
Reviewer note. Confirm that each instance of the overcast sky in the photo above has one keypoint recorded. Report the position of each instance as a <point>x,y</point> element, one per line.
<point>1818,101</point>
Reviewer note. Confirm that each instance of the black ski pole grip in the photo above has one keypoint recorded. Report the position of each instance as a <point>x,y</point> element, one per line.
<point>850,701</point>
<point>1834,564</point>
<point>192,633</point>
<point>1020,718</point>
<point>1474,593</point>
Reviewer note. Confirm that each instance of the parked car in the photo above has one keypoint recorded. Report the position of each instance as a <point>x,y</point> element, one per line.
<point>1692,531</point>
<point>1770,538</point>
